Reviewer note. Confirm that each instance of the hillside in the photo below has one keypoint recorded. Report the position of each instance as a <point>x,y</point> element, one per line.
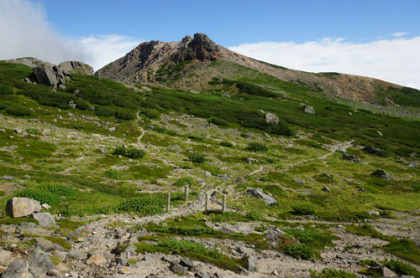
<point>192,63</point>
<point>300,171</point>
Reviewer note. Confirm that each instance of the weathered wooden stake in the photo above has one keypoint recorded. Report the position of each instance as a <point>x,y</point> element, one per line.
<point>168,202</point>
<point>207,202</point>
<point>186,193</point>
<point>224,203</point>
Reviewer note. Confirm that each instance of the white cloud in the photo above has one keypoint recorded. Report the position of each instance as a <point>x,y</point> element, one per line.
<point>399,34</point>
<point>104,49</point>
<point>25,32</point>
<point>396,60</point>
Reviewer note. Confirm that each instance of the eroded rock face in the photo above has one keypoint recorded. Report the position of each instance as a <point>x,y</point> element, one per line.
<point>20,207</point>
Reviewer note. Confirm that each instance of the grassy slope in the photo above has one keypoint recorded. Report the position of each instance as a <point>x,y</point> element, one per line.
<point>66,146</point>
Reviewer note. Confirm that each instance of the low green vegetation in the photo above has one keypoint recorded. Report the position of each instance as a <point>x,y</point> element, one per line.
<point>332,273</point>
<point>129,152</point>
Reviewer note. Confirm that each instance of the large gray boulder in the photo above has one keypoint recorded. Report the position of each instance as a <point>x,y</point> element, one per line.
<point>39,263</point>
<point>17,269</point>
<point>20,207</point>
<point>258,193</point>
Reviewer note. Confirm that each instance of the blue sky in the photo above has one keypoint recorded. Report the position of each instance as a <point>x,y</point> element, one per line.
<point>233,22</point>
<point>379,39</point>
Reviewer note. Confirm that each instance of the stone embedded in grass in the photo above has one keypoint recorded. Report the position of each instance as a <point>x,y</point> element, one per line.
<point>381,174</point>
<point>20,207</point>
<point>309,109</point>
<point>45,219</point>
<point>258,193</point>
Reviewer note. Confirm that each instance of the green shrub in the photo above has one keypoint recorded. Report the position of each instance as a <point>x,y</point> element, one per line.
<point>112,174</point>
<point>254,216</point>
<point>184,181</point>
<point>197,158</point>
<point>125,115</point>
<point>303,209</point>
<point>332,273</point>
<point>18,111</point>
<point>404,248</point>
<point>226,144</point>
<point>257,147</point>
<point>310,237</point>
<point>129,152</point>
<point>44,197</point>
<point>217,121</point>
<point>143,206</point>
<point>104,111</point>
<point>2,193</point>
<point>5,90</point>
<point>57,189</point>
<point>299,251</point>
<point>401,268</point>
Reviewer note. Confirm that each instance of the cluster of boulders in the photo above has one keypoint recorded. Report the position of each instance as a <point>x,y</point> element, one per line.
<point>52,75</point>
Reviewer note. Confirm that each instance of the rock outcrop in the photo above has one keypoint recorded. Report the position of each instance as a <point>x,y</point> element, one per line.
<point>258,193</point>
<point>20,207</point>
<point>52,75</point>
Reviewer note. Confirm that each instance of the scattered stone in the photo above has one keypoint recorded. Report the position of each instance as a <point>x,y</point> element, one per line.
<point>412,164</point>
<point>39,262</point>
<point>326,189</point>
<point>18,131</point>
<point>309,109</point>
<point>275,272</point>
<point>374,150</point>
<point>353,158</point>
<point>27,176</point>
<point>258,193</point>
<point>45,219</point>
<point>251,160</point>
<point>20,207</point>
<point>187,263</point>
<point>299,181</point>
<point>379,133</point>
<point>413,154</point>
<point>271,118</point>
<point>381,174</point>
<point>387,273</point>
<point>251,263</point>
<point>218,275</point>
<point>96,259</point>
<point>45,206</point>
<point>202,274</point>
<point>17,269</point>
<point>207,174</point>
<point>178,269</point>
<point>362,189</point>
<point>374,212</point>
<point>8,177</point>
<point>46,245</point>
<point>72,104</point>
<point>329,108</point>
<point>53,273</point>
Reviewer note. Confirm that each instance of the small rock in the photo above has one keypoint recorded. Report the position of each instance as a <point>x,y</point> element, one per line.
<point>258,193</point>
<point>275,272</point>
<point>207,174</point>
<point>381,174</point>
<point>326,189</point>
<point>27,176</point>
<point>374,212</point>
<point>309,109</point>
<point>53,273</point>
<point>96,259</point>
<point>299,181</point>
<point>18,131</point>
<point>17,269</point>
<point>45,219</point>
<point>187,263</point>
<point>251,263</point>
<point>379,133</point>
<point>271,118</point>
<point>39,262</point>
<point>178,269</point>
<point>351,158</point>
<point>8,177</point>
<point>46,206</point>
<point>202,274</point>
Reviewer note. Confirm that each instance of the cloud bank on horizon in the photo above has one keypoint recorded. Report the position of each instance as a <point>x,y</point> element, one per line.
<point>395,60</point>
<point>25,31</point>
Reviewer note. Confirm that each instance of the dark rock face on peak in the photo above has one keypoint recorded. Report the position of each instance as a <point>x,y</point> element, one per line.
<point>201,47</point>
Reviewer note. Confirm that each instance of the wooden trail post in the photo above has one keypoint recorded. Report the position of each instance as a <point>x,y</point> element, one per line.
<point>207,202</point>
<point>168,202</point>
<point>186,193</point>
<point>224,203</point>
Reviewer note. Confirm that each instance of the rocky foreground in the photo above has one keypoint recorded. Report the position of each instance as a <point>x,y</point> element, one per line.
<point>105,247</point>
